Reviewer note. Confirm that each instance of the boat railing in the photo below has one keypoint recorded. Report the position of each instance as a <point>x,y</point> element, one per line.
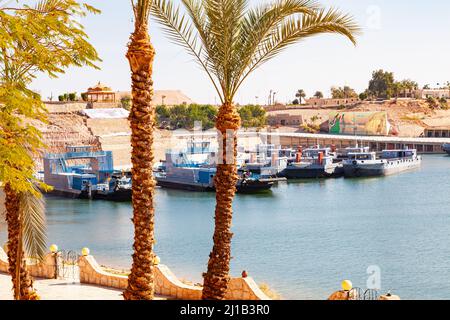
<point>75,155</point>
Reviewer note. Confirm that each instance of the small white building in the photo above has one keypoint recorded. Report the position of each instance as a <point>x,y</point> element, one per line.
<point>434,93</point>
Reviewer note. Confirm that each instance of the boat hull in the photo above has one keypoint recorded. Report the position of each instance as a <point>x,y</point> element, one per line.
<point>71,193</point>
<point>311,172</point>
<point>380,169</point>
<point>165,183</point>
<point>123,195</point>
<point>248,186</point>
<point>254,186</point>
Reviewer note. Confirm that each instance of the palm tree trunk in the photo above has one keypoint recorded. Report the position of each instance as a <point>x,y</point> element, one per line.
<point>142,119</point>
<point>22,282</point>
<point>217,277</point>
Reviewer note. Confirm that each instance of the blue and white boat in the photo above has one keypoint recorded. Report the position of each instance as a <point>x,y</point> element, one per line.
<point>82,172</point>
<point>194,169</point>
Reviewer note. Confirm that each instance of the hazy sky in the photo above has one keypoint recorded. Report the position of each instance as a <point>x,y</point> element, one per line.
<point>408,37</point>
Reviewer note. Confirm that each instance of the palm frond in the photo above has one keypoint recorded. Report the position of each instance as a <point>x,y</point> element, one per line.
<point>32,214</point>
<point>182,31</point>
<point>260,22</point>
<point>196,11</point>
<point>224,26</point>
<point>230,41</point>
<point>293,30</point>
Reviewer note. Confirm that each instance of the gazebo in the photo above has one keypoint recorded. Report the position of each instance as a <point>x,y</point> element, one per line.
<point>100,93</point>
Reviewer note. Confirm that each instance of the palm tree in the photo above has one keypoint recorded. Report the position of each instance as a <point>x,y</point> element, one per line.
<point>300,95</point>
<point>44,38</point>
<point>25,216</point>
<point>142,121</point>
<point>230,41</point>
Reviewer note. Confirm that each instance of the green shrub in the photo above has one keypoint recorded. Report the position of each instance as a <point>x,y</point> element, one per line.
<point>185,116</point>
<point>253,116</point>
<point>125,102</point>
<point>72,96</point>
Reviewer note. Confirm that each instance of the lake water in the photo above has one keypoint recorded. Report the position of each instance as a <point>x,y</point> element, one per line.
<point>302,238</point>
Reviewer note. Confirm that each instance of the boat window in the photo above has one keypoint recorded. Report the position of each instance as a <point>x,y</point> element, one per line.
<point>363,157</point>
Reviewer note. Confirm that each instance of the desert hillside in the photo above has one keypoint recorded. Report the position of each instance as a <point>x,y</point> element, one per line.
<point>408,117</point>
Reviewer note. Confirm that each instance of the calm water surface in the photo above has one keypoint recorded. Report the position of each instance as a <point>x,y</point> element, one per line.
<point>302,238</point>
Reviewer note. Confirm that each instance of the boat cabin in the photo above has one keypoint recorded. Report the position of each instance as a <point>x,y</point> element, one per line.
<point>195,147</point>
<point>345,152</point>
<point>398,154</point>
<point>314,152</point>
<point>362,156</point>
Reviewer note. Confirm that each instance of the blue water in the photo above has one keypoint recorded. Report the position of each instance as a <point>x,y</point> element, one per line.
<point>302,238</point>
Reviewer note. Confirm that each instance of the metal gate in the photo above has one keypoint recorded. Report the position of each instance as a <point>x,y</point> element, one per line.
<point>67,266</point>
<point>360,294</point>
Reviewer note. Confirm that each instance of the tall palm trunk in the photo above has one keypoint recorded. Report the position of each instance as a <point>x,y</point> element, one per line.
<point>217,277</point>
<point>22,282</point>
<point>142,118</point>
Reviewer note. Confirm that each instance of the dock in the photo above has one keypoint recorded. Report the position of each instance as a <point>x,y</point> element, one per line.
<point>423,145</point>
<point>376,143</point>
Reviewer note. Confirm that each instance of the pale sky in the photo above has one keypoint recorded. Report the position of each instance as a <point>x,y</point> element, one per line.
<point>408,37</point>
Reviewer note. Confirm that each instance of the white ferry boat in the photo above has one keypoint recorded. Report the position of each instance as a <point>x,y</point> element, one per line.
<point>366,164</point>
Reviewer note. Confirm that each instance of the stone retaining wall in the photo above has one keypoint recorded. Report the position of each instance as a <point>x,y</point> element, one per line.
<point>63,107</point>
<point>166,283</point>
<point>44,269</point>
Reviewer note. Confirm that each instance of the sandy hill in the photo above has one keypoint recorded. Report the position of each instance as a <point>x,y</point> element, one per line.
<point>409,117</point>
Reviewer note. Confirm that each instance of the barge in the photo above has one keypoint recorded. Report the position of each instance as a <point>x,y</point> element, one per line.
<point>313,163</point>
<point>366,164</point>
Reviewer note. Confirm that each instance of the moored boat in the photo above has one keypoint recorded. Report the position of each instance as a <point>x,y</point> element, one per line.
<point>194,170</point>
<point>118,189</point>
<point>77,172</point>
<point>267,160</point>
<point>366,164</point>
<point>344,153</point>
<point>313,163</point>
<point>446,148</point>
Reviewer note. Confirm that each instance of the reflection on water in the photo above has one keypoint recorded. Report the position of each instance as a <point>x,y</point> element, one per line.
<point>302,238</point>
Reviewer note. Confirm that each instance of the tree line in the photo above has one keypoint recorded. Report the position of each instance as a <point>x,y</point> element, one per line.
<point>382,85</point>
<point>184,116</point>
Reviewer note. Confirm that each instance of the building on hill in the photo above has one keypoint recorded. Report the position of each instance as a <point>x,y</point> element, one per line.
<point>434,93</point>
<point>437,132</point>
<point>100,93</point>
<point>162,97</point>
<point>284,119</point>
<point>276,107</point>
<point>332,103</point>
